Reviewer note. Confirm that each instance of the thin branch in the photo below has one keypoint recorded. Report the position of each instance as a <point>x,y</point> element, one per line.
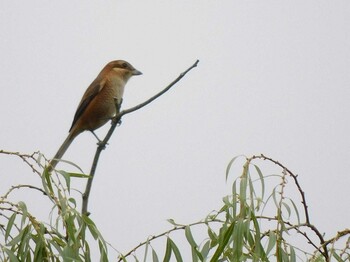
<point>115,122</point>
<point>127,111</point>
<point>291,227</point>
<point>22,186</point>
<point>24,157</point>
<point>302,193</point>
<point>215,220</point>
<point>339,235</point>
<point>151,238</point>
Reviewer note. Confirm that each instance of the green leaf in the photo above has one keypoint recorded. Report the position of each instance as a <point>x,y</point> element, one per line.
<point>287,208</point>
<point>296,210</point>
<point>194,255</point>
<point>72,164</point>
<point>176,251</point>
<point>39,252</point>
<point>262,181</point>
<point>26,236</point>
<point>73,201</point>
<point>66,177</point>
<point>335,255</point>
<point>252,193</point>
<point>230,164</point>
<point>213,237</point>
<point>146,251</point>
<point>57,245</point>
<point>189,237</point>
<point>78,175</point>
<point>243,190</point>
<point>238,236</point>
<point>226,200</point>
<point>14,241</point>
<point>154,256</point>
<point>92,227</point>
<point>193,243</point>
<point>25,246</point>
<point>274,197</point>
<point>62,202</point>
<point>46,181</point>
<point>22,206</point>
<point>167,251</point>
<point>222,245</point>
<point>87,252</point>
<point>9,226</point>
<point>234,189</point>
<point>10,254</point>
<point>234,199</point>
<point>205,249</point>
<point>292,255</point>
<point>69,254</point>
<point>172,221</point>
<point>70,228</point>
<point>103,251</point>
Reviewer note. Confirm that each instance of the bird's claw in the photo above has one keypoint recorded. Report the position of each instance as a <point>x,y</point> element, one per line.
<point>101,143</point>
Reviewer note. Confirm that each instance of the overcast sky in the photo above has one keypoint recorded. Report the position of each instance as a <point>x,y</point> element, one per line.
<point>273,78</point>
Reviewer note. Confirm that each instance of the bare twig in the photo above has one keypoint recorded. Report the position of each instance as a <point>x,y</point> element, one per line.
<point>154,237</point>
<point>339,235</point>
<point>302,193</point>
<point>115,122</point>
<point>25,158</point>
<point>21,186</point>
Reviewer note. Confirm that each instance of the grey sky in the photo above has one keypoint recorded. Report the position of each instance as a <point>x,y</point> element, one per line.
<point>273,78</point>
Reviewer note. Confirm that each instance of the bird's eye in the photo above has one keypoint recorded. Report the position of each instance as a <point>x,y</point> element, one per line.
<point>124,65</point>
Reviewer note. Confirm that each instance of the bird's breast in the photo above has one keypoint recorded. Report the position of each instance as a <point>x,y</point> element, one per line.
<point>117,88</point>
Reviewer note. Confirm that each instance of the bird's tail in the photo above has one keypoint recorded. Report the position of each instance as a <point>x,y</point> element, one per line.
<point>54,161</point>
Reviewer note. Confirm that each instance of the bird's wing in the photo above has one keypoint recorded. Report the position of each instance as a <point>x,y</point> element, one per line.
<point>95,87</point>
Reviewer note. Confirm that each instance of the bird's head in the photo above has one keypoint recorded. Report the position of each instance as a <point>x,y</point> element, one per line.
<point>123,68</point>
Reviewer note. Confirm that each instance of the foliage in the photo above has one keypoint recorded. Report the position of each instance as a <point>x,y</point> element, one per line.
<point>64,238</point>
<point>257,221</point>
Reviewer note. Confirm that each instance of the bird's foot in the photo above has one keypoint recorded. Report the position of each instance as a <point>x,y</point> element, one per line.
<point>100,142</point>
<point>116,121</point>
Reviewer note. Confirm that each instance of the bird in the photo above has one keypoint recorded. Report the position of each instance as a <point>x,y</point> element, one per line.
<point>98,104</point>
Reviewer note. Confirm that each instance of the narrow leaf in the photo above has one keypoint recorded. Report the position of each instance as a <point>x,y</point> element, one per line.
<point>205,249</point>
<point>230,164</point>
<point>154,256</point>
<point>223,244</point>
<point>292,255</point>
<point>11,255</point>
<point>78,175</point>
<point>296,210</point>
<point>176,251</point>
<point>167,251</point>
<point>193,243</point>
<point>146,251</point>
<point>262,181</point>
<point>66,177</point>
<point>22,206</point>
<point>9,226</point>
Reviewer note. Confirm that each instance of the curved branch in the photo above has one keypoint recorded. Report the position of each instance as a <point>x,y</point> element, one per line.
<point>302,193</point>
<point>25,157</point>
<point>127,111</point>
<point>115,121</point>
<point>22,186</point>
<point>151,238</point>
<point>339,235</point>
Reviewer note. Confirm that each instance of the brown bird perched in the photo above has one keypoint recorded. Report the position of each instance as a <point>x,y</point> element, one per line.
<point>98,103</point>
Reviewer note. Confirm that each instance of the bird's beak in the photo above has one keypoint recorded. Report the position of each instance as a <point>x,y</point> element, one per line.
<point>136,72</point>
